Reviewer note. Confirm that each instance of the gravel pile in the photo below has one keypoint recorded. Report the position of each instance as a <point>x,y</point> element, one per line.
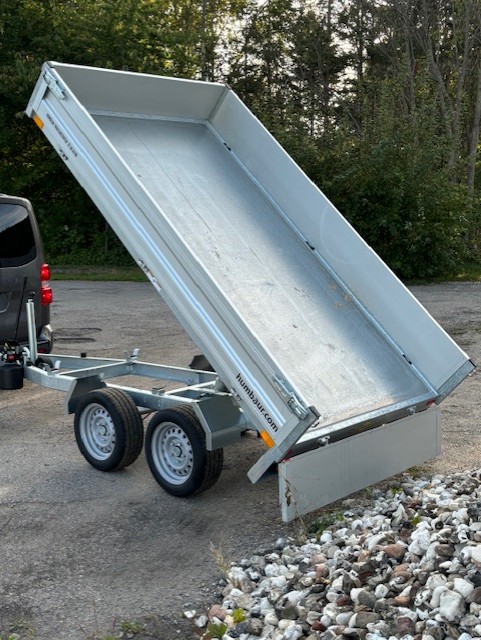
<point>407,566</point>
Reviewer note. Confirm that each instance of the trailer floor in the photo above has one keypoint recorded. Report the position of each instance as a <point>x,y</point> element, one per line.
<point>333,352</point>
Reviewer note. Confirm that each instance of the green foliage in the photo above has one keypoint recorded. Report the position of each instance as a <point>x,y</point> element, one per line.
<point>238,615</point>
<point>394,185</point>
<point>324,521</point>
<point>216,630</point>
<point>415,520</point>
<point>407,209</point>
<point>130,628</point>
<point>351,90</point>
<point>142,35</point>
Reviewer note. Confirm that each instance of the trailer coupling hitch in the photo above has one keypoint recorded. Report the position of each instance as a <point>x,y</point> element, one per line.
<point>11,365</point>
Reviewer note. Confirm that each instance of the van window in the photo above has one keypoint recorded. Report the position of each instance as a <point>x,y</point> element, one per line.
<point>17,242</point>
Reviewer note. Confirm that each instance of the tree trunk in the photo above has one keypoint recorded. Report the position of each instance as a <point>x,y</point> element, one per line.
<point>474,135</point>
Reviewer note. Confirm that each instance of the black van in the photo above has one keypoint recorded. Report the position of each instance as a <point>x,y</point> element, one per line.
<point>23,274</point>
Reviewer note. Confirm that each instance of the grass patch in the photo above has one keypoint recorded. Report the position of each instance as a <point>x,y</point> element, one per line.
<point>133,273</point>
<point>470,272</point>
<point>464,273</point>
<point>98,273</point>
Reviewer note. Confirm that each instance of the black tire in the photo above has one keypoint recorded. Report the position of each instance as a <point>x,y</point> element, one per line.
<point>177,455</point>
<point>108,429</point>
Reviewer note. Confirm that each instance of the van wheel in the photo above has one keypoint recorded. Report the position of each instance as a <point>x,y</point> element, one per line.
<point>44,363</point>
<point>108,429</point>
<point>177,455</point>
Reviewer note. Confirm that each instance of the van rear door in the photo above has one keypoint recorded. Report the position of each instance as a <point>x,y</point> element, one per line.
<point>19,271</point>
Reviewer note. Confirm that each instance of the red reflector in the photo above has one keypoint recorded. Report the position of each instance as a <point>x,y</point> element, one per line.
<point>47,295</point>
<point>44,272</point>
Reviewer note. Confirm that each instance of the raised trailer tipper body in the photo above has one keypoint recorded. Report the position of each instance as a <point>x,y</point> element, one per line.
<point>323,350</point>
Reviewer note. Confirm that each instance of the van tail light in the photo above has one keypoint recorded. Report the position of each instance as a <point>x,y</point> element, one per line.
<point>46,295</point>
<point>44,272</point>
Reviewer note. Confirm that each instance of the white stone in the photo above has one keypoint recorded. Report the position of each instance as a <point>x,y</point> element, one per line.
<point>326,620</point>
<point>430,553</point>
<point>294,597</point>
<point>451,605</point>
<point>408,613</point>
<point>375,540</point>
<point>354,594</point>
<point>237,575</point>
<point>271,618</point>
<point>436,580</point>
<point>461,515</point>
<point>311,548</point>
<point>381,591</point>
<point>333,552</point>
<point>307,581</point>
<point>423,595</point>
<point>436,597</point>
<point>265,606</point>
<point>190,614</point>
<point>284,624</point>
<point>244,601</point>
<point>337,583</point>
<point>201,621</point>
<point>312,616</point>
<point>330,610</point>
<point>267,631</point>
<point>332,596</point>
<point>465,554</point>
<point>463,587</point>
<point>271,570</point>
<point>422,614</point>
<point>278,582</point>
<point>398,516</point>
<point>421,541</point>
<point>476,555</point>
<point>293,633</point>
<point>343,618</point>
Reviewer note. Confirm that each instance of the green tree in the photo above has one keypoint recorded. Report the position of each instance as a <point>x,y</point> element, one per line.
<point>152,36</point>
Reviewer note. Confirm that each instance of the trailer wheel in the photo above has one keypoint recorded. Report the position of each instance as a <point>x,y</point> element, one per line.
<point>177,455</point>
<point>108,429</point>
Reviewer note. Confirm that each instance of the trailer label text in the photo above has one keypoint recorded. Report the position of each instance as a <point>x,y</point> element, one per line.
<point>62,135</point>
<point>257,403</point>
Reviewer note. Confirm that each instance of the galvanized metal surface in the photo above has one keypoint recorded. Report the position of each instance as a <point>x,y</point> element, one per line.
<point>331,351</point>
<point>319,477</point>
<point>151,386</point>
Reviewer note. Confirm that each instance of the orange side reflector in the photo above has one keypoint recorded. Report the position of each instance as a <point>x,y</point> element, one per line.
<point>38,121</point>
<point>267,439</point>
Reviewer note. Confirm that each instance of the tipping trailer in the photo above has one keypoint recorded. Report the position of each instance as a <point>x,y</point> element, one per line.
<point>314,342</point>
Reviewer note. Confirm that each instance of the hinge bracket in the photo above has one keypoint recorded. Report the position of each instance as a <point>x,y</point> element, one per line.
<point>54,85</point>
<point>293,401</point>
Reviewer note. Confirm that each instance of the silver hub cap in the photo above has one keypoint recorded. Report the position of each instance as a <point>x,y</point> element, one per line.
<point>172,453</point>
<point>97,431</point>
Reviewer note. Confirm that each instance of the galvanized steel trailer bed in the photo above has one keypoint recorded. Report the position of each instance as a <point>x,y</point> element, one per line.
<point>315,339</point>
